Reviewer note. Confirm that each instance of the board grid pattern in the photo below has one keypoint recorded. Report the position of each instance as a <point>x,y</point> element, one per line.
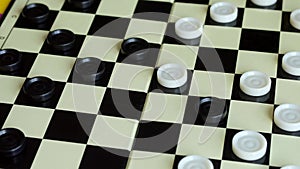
<point>85,126</point>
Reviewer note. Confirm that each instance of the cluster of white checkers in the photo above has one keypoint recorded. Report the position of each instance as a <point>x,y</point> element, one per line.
<point>247,145</point>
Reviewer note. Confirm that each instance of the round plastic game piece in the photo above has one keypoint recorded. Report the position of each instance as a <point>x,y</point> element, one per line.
<point>195,161</point>
<point>290,167</point>
<point>264,2</point>
<point>172,75</point>
<point>223,12</point>
<point>12,142</point>
<point>138,46</point>
<point>82,4</point>
<point>255,83</point>
<point>291,63</point>
<point>39,88</point>
<point>295,19</point>
<point>213,110</point>
<point>10,60</point>
<point>36,13</point>
<point>61,39</point>
<point>90,69</point>
<point>287,117</point>
<point>188,28</point>
<point>249,145</point>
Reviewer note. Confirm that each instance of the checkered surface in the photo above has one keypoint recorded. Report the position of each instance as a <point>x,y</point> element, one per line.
<point>128,121</point>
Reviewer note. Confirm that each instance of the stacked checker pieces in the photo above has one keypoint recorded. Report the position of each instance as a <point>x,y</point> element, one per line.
<point>50,134</point>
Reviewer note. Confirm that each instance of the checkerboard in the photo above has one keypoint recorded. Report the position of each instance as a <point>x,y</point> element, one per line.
<point>128,121</point>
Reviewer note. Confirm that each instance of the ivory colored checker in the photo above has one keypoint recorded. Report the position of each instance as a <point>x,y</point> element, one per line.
<point>295,19</point>
<point>287,117</point>
<point>255,83</point>
<point>195,161</point>
<point>291,63</point>
<point>249,145</point>
<point>188,28</point>
<point>290,167</point>
<point>264,2</point>
<point>172,75</point>
<point>223,12</point>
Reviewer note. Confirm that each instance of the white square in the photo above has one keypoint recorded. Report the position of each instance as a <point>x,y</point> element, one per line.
<point>113,132</point>
<point>32,121</point>
<point>131,77</point>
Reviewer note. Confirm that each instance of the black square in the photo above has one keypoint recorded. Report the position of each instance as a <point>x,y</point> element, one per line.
<point>108,26</point>
<point>171,37</point>
<point>276,6</point>
<point>95,157</point>
<point>216,163</point>
<point>23,23</point>
<point>23,99</point>
<point>26,64</point>
<point>157,137</point>
<point>109,66</point>
<point>283,74</point>
<point>70,126</point>
<point>229,155</point>
<point>4,109</point>
<point>286,24</point>
<point>25,159</point>
<point>92,9</point>
<point>216,60</point>
<point>258,40</point>
<point>151,10</point>
<point>192,113</point>
<point>123,103</point>
<point>194,1</point>
<point>236,23</point>
<point>47,49</point>
<point>147,59</point>
<point>238,94</point>
<point>183,90</point>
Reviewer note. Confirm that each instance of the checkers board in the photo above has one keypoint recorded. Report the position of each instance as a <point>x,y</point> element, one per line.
<point>128,121</point>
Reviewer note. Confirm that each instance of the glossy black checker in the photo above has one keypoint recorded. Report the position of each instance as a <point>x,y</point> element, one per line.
<point>170,37</point>
<point>4,109</point>
<point>229,155</point>
<point>95,157</point>
<point>47,49</point>
<point>283,74</point>
<point>183,90</point>
<point>259,40</point>
<point>236,23</point>
<point>70,126</point>
<point>23,99</point>
<point>122,103</point>
<point>107,26</point>
<point>23,160</point>
<point>237,94</point>
<point>216,163</point>
<point>192,114</point>
<point>276,6</point>
<point>157,137</point>
<point>109,66</point>
<point>26,64</point>
<point>23,23</point>
<point>194,1</point>
<point>92,9</point>
<point>147,59</point>
<point>216,60</point>
<point>153,10</point>
<point>285,23</point>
